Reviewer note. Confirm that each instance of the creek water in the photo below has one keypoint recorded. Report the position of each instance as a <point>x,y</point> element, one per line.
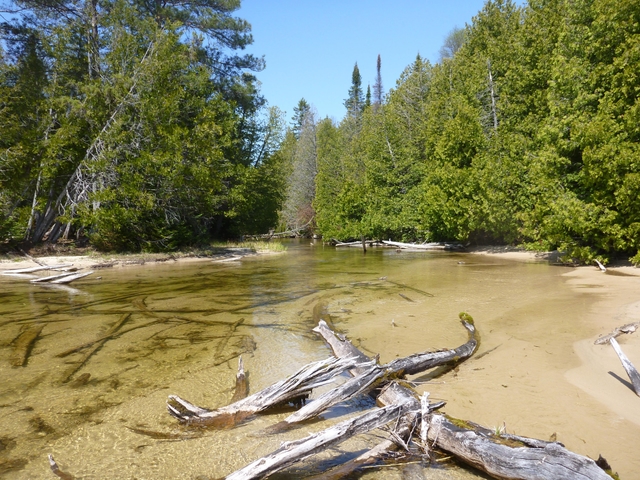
<point>178,328</point>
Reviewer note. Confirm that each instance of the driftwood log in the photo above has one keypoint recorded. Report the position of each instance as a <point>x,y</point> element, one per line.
<point>634,376</point>
<point>502,456</point>
<point>413,424</point>
<point>628,328</point>
<point>417,429</point>
<point>21,271</point>
<point>425,246</point>
<point>23,344</point>
<point>631,370</point>
<point>294,388</point>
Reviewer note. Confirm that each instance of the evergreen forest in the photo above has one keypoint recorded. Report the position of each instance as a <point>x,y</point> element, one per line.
<point>140,126</point>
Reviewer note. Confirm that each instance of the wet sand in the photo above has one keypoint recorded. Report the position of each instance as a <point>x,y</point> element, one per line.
<point>586,399</point>
<point>537,372</point>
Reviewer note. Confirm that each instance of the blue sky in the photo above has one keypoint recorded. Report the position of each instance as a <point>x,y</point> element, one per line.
<point>311,46</point>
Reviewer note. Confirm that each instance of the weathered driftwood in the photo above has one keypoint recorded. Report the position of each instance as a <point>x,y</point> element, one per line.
<point>628,328</point>
<point>507,458</point>
<point>634,376</point>
<point>23,345</point>
<point>600,265</point>
<point>18,271</point>
<point>341,346</point>
<point>293,452</point>
<point>501,456</point>
<point>400,436</point>
<point>368,375</point>
<point>232,258</point>
<point>412,364</point>
<point>242,386</point>
<point>71,278</point>
<point>338,243</point>
<point>424,246</point>
<point>50,278</point>
<point>375,375</point>
<point>295,387</point>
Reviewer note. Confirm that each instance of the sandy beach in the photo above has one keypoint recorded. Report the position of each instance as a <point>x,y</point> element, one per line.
<point>91,262</point>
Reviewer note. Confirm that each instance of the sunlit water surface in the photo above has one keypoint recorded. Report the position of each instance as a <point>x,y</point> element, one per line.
<point>100,410</point>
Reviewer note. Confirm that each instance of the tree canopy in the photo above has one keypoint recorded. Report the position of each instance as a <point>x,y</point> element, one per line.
<point>525,132</point>
<point>134,124</point>
<point>140,125</point>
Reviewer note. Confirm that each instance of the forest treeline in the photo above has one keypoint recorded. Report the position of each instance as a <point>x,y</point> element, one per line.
<point>133,124</point>
<point>139,125</point>
<point>526,132</point>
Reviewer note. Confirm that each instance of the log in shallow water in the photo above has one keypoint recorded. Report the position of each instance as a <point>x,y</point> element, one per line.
<point>417,429</point>
<point>499,455</point>
<point>23,345</point>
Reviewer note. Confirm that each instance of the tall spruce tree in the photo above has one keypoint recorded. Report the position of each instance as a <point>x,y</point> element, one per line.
<point>378,89</point>
<point>355,102</point>
<point>300,111</point>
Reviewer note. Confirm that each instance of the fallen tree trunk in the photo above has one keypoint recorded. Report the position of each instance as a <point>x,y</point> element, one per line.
<point>50,278</point>
<point>507,458</point>
<point>242,386</point>
<point>293,452</point>
<point>295,387</point>
<point>501,456</point>
<point>425,246</point>
<point>18,271</point>
<point>71,278</point>
<point>341,346</point>
<point>375,375</point>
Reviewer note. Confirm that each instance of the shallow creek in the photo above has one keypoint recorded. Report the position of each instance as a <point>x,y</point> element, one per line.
<point>178,328</point>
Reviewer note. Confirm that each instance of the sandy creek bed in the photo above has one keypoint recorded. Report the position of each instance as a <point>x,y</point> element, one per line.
<point>536,373</point>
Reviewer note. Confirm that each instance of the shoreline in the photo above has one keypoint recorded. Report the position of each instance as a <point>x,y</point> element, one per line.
<point>519,254</point>
<point>102,261</point>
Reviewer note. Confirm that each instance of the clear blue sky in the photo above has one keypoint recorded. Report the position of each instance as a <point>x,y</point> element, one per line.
<point>311,46</point>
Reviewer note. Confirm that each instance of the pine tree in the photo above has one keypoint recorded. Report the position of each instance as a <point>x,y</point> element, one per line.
<point>377,87</point>
<point>355,102</point>
<point>300,111</point>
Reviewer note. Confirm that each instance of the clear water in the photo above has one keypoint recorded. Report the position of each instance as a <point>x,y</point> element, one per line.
<point>100,411</point>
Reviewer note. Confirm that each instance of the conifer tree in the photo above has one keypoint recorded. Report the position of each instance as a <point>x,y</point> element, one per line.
<point>355,102</point>
<point>377,87</point>
<point>300,111</point>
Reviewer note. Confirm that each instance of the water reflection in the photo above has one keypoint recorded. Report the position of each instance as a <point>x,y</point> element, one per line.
<point>94,383</point>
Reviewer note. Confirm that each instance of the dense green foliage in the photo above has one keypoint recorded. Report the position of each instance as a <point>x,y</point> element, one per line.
<point>526,132</point>
<point>138,126</point>
<point>134,124</point>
